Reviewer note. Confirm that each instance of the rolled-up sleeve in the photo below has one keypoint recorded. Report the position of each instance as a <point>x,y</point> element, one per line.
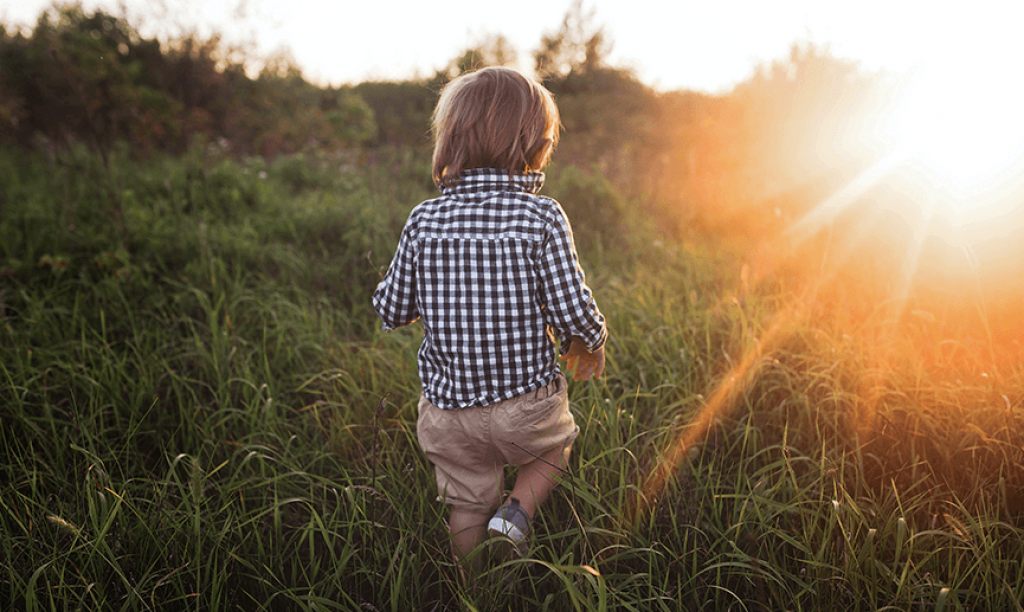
<point>394,299</point>
<point>569,305</point>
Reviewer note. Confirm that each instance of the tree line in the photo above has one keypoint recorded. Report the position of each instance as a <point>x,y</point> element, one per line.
<point>92,79</point>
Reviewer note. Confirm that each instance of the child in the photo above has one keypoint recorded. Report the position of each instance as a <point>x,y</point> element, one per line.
<point>491,269</point>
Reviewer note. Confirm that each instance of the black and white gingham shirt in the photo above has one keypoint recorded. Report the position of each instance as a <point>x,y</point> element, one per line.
<point>489,266</point>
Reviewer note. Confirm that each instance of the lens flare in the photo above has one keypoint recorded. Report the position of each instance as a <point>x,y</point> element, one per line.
<point>964,127</point>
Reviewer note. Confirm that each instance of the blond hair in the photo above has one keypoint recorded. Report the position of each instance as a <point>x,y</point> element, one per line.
<point>493,118</point>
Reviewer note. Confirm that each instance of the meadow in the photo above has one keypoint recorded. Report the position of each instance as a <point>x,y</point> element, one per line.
<point>199,412</point>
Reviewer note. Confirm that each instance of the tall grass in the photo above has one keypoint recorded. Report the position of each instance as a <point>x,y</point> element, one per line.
<point>205,416</point>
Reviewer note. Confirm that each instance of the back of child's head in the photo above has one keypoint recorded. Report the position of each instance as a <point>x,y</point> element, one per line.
<point>493,118</point>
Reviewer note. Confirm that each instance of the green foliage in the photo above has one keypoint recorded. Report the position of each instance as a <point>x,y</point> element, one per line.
<point>198,409</point>
<point>602,224</point>
<point>95,79</point>
<point>612,123</point>
<point>350,117</point>
<point>745,164</point>
<point>83,77</point>
<point>402,110</point>
<point>578,47</point>
<point>209,416</point>
<point>496,51</point>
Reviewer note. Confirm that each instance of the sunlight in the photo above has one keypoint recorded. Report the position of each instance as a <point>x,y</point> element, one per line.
<point>714,409</point>
<point>826,212</point>
<point>944,203</point>
<point>962,126</point>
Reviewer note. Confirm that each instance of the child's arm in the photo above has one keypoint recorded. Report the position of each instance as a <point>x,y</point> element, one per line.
<point>395,296</point>
<point>585,363</point>
<point>569,306</point>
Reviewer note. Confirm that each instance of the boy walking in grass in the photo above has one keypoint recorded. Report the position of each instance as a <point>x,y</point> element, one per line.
<point>491,269</point>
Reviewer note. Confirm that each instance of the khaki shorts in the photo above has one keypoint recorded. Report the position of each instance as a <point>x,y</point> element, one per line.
<point>471,447</point>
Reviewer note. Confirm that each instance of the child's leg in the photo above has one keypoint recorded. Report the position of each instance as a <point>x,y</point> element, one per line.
<point>468,528</point>
<point>471,488</point>
<point>538,478</point>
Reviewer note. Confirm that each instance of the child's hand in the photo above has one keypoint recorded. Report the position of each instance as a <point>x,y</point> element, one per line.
<point>585,363</point>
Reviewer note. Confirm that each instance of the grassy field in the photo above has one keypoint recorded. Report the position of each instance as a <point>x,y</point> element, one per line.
<point>199,412</point>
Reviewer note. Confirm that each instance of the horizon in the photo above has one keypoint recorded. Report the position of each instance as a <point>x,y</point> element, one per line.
<point>709,48</point>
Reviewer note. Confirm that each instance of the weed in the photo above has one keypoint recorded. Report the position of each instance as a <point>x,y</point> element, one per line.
<point>194,418</point>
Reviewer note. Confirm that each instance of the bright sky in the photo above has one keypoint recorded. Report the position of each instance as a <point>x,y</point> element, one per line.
<point>671,44</point>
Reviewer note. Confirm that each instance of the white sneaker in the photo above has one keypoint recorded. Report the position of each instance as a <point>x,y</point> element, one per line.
<point>512,522</point>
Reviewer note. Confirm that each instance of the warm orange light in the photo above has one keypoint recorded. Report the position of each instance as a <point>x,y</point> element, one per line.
<point>962,125</point>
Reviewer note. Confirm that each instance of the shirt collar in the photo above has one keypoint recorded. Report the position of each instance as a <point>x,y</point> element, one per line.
<point>480,180</point>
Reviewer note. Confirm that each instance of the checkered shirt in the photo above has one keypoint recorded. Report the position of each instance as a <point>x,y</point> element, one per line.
<point>492,270</point>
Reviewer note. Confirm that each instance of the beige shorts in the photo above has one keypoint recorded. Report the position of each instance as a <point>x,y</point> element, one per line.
<point>471,447</point>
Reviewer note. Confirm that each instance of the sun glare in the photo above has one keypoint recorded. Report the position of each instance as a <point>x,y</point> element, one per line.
<point>941,210</point>
<point>963,128</point>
